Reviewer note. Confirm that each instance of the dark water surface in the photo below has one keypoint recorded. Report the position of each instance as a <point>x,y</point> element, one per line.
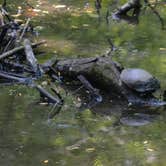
<point>98,136</point>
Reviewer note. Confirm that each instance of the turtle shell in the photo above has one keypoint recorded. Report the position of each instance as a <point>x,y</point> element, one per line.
<point>139,80</point>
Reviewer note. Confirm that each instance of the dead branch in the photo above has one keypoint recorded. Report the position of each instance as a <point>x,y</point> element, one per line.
<point>24,30</point>
<point>30,56</point>
<point>17,49</point>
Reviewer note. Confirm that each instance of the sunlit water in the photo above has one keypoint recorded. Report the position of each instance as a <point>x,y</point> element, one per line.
<point>96,136</point>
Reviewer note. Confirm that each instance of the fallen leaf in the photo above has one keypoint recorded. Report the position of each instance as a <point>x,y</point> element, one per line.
<point>162,49</point>
<point>45,12</point>
<point>72,147</point>
<point>59,6</point>
<point>150,150</point>
<point>45,161</point>
<point>89,150</point>
<point>145,142</point>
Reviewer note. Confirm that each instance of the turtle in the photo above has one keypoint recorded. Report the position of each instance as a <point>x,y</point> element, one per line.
<point>139,80</point>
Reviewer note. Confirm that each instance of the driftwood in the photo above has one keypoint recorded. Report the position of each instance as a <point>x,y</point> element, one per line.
<point>31,57</point>
<point>15,78</point>
<point>133,18</point>
<point>101,72</point>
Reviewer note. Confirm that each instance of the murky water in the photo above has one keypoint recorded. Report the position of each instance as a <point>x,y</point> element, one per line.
<point>92,137</point>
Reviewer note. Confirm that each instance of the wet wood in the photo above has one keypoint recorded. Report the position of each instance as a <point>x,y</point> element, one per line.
<point>45,94</point>
<point>101,71</point>
<point>93,92</point>
<point>30,56</point>
<point>17,49</point>
<point>12,77</point>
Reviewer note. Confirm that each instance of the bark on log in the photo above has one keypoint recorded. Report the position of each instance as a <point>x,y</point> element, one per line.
<point>100,71</point>
<point>103,73</point>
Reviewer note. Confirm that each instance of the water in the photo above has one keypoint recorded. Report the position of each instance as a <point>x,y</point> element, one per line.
<point>94,136</point>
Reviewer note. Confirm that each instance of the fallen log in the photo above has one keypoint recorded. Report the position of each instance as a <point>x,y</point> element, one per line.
<point>104,73</point>
<point>100,69</point>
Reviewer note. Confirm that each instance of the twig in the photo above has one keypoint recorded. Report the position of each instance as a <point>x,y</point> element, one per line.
<point>50,97</point>
<point>98,6</point>
<point>9,44</point>
<point>11,77</point>
<point>24,30</point>
<point>4,11</point>
<point>58,95</point>
<point>16,66</point>
<point>54,112</point>
<point>111,45</point>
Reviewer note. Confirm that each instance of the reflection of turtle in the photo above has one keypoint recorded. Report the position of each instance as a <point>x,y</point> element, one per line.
<point>137,119</point>
<point>139,80</point>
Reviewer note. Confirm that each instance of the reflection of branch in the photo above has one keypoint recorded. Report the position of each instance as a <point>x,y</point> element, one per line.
<point>129,19</point>
<point>4,4</point>
<point>122,13</point>
<point>134,4</point>
<point>98,6</point>
<point>112,47</point>
<point>156,13</point>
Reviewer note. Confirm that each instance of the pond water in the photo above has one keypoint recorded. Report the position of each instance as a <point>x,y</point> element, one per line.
<point>96,136</point>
